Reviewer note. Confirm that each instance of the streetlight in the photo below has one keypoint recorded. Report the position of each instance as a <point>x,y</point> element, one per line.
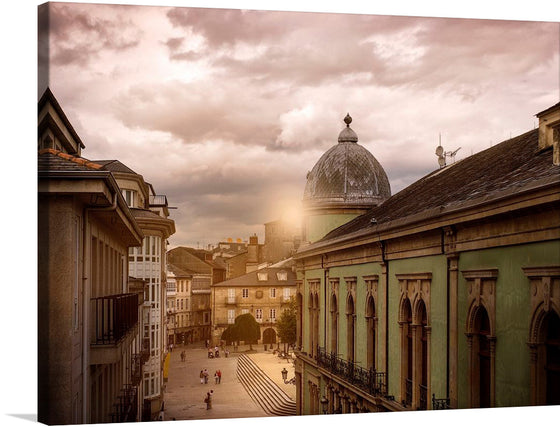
<point>324,403</point>
<point>285,377</point>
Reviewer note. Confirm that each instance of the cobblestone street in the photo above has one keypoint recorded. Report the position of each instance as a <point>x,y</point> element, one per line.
<point>184,395</point>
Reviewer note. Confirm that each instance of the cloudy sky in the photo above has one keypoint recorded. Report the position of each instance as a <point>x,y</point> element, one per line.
<point>225,111</point>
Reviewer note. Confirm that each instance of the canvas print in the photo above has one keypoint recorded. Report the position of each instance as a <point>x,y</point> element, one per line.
<point>251,214</point>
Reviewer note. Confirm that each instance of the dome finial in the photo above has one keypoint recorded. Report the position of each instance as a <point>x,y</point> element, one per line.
<point>347,119</point>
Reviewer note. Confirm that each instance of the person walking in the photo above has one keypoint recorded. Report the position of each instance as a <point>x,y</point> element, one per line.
<point>216,377</point>
<point>201,377</point>
<point>208,399</point>
<point>219,373</point>
<point>205,372</point>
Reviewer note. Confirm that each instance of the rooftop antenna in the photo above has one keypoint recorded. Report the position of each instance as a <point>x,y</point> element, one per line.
<point>442,154</point>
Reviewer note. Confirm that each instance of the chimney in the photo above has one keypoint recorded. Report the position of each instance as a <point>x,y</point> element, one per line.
<point>549,131</point>
<point>252,252</point>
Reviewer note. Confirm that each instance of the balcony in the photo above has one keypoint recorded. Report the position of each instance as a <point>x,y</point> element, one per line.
<point>136,374</point>
<point>423,397</point>
<point>438,404</point>
<point>125,409</point>
<point>231,300</point>
<point>158,200</point>
<point>112,318</point>
<point>368,380</point>
<point>408,392</point>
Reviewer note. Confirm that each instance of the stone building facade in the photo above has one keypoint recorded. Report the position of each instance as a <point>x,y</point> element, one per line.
<point>147,262</point>
<point>263,293</point>
<point>443,295</point>
<point>91,351</point>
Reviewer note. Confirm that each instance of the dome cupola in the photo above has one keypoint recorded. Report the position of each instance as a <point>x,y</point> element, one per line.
<point>345,182</point>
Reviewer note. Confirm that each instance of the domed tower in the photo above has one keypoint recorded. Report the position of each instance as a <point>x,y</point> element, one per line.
<point>345,182</point>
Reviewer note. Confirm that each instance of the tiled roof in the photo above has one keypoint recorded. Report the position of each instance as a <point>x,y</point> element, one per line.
<point>51,159</point>
<point>251,279</point>
<point>187,261</point>
<point>504,168</point>
<point>179,272</point>
<point>115,166</point>
<point>49,97</point>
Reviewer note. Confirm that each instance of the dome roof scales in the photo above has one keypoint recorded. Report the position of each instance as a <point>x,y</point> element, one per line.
<point>347,174</point>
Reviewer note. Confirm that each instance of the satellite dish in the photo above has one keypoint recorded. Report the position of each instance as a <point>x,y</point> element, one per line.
<point>442,154</point>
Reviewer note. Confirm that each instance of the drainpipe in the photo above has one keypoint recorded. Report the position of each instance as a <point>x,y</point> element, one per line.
<point>325,279</point>
<point>86,245</point>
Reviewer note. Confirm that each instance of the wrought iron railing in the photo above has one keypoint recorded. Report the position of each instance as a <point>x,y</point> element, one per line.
<point>368,380</point>
<point>136,374</point>
<point>114,316</point>
<point>440,403</point>
<point>423,397</point>
<point>408,392</point>
<point>158,200</point>
<point>125,408</point>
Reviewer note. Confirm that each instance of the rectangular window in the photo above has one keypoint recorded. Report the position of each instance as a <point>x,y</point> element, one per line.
<point>272,292</point>
<point>273,315</point>
<point>129,196</point>
<point>258,314</point>
<point>245,293</point>
<point>231,316</point>
<point>244,311</point>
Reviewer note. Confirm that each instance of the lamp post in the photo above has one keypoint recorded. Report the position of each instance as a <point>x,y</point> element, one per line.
<point>285,377</point>
<point>324,403</point>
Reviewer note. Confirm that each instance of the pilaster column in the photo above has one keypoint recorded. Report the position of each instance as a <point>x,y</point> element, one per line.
<point>453,272</point>
<point>470,369</point>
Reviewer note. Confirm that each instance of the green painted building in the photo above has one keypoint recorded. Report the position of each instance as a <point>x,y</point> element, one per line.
<point>445,295</point>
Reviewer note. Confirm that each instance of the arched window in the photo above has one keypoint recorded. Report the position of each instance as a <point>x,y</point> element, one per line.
<point>544,334</point>
<point>406,352</point>
<point>370,321</point>
<point>423,360</point>
<point>316,323</point>
<point>481,347</point>
<point>481,336</point>
<point>299,333</point>
<point>312,342</point>
<point>334,324</point>
<point>350,328</point>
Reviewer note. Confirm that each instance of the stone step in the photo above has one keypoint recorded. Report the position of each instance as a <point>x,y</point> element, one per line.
<point>262,389</point>
<point>270,406</point>
<point>272,387</point>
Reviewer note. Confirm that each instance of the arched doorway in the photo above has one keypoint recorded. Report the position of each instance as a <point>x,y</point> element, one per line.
<point>269,336</point>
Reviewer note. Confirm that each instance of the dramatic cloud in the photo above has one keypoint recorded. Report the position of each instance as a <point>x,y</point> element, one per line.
<point>225,111</point>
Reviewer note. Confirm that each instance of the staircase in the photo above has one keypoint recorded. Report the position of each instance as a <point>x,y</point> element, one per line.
<point>262,389</point>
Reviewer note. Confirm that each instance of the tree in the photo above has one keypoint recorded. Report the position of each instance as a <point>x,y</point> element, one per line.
<point>287,324</point>
<point>230,334</point>
<point>247,329</point>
